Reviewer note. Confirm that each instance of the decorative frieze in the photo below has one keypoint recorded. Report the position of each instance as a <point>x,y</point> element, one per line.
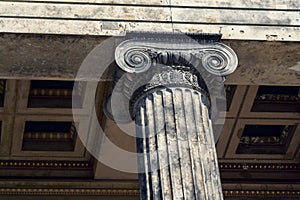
<point>27,164</point>
<point>259,166</point>
<point>293,194</point>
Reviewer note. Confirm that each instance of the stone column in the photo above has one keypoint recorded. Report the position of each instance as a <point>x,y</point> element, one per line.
<point>177,145</point>
<point>171,105</point>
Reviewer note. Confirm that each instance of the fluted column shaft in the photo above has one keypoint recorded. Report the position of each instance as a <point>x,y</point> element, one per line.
<point>167,83</point>
<point>177,157</point>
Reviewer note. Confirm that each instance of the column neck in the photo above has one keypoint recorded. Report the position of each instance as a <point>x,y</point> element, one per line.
<point>171,77</point>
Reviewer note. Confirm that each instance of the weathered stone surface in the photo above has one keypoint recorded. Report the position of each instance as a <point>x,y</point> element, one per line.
<point>255,20</point>
<point>271,4</point>
<point>267,63</point>
<point>150,13</point>
<point>29,56</point>
<point>177,146</point>
<point>77,11</point>
<point>43,56</point>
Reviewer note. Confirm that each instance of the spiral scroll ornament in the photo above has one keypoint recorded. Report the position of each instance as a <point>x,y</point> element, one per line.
<point>135,60</point>
<point>137,57</point>
<point>219,61</point>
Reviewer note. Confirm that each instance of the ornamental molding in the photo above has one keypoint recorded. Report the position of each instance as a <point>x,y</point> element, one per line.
<point>28,164</point>
<point>175,77</point>
<point>86,165</point>
<point>136,192</point>
<point>70,191</point>
<point>259,166</point>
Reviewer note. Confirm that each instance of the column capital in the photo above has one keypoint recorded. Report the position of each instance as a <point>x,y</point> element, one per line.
<point>153,60</point>
<point>139,54</point>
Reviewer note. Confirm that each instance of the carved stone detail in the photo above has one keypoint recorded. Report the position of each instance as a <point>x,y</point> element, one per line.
<point>174,76</point>
<point>135,56</point>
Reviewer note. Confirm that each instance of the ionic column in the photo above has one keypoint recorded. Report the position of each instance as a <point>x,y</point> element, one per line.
<point>171,105</point>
